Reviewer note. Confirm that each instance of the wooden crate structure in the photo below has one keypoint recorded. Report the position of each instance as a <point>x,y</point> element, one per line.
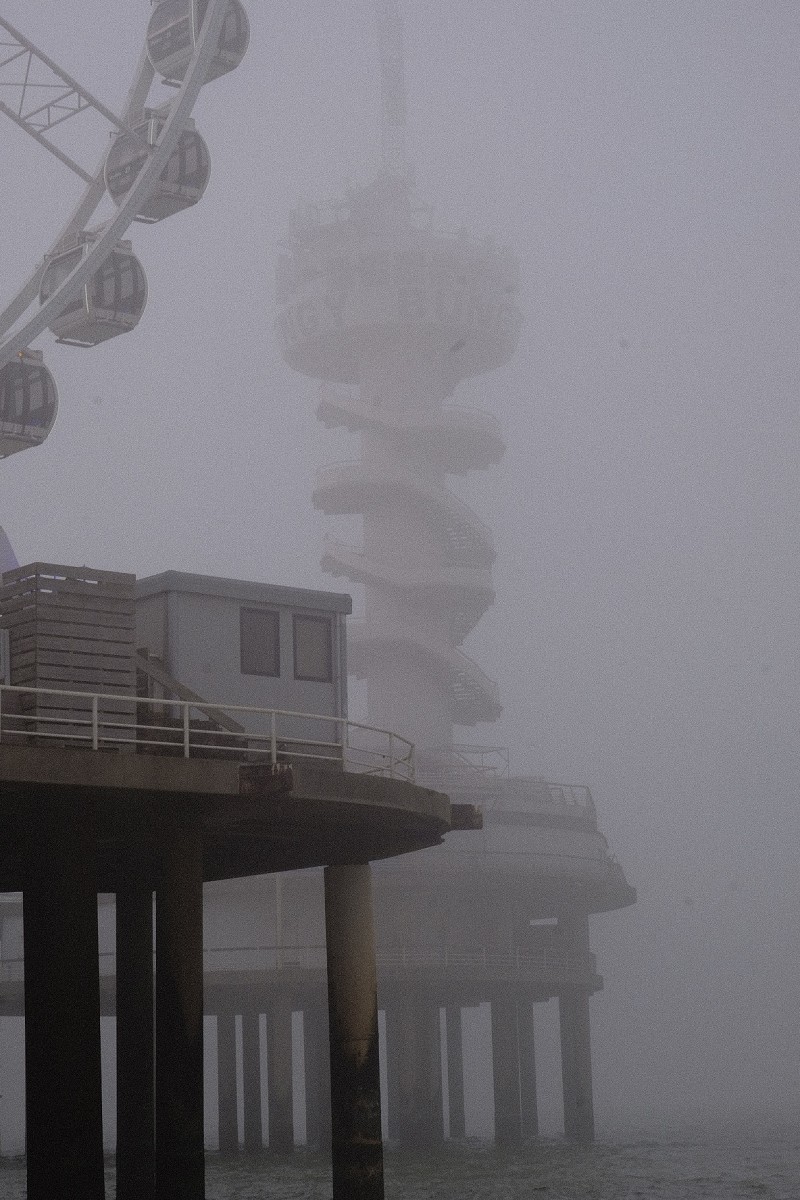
<point>71,629</point>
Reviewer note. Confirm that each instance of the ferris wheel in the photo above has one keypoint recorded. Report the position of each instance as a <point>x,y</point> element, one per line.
<point>90,286</point>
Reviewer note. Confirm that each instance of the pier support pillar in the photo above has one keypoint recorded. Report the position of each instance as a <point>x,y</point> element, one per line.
<point>251,1081</point>
<point>227,1109</point>
<point>135,1032</point>
<point>576,1065</point>
<point>63,1099</point>
<point>505,1070</point>
<point>179,1021</point>
<point>455,1071</point>
<point>316,1040</point>
<point>576,1040</point>
<point>357,1149</point>
<point>414,1059</point>
<point>528,1099</point>
<point>279,1076</point>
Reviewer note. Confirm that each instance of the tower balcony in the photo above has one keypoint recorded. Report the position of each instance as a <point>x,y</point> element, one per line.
<point>356,487</point>
<point>474,697</point>
<point>465,592</point>
<point>460,439</point>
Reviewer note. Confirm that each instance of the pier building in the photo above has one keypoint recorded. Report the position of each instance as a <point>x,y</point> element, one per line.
<point>118,779</point>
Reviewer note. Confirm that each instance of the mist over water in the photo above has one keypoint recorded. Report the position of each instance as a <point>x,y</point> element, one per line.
<point>641,159</point>
<point>699,1165</point>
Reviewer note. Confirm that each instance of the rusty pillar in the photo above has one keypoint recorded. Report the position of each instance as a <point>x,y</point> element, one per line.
<point>180,1171</point>
<point>455,1071</point>
<point>251,1081</point>
<point>357,1149</point>
<point>279,1076</point>
<point>63,1099</point>
<point>227,1114</point>
<point>135,1031</point>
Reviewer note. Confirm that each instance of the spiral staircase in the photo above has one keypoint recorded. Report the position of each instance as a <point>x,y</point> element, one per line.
<point>371,297</point>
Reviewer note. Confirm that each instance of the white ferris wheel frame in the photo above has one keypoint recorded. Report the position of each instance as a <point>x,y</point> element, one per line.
<point>107,236</point>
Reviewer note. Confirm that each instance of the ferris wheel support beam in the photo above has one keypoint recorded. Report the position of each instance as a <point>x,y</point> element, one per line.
<point>55,109</point>
<point>48,145</point>
<point>149,174</point>
<point>87,205</point>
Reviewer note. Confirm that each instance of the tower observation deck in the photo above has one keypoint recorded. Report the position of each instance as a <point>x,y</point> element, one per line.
<point>390,316</point>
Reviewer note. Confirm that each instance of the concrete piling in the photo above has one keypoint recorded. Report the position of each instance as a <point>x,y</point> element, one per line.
<point>179,1021</point>
<point>505,1070</point>
<point>528,1097</point>
<point>251,1081</point>
<point>576,1065</point>
<point>63,1099</point>
<point>455,1070</point>
<point>135,1057</point>
<point>279,1076</point>
<point>357,1150</point>
<point>227,1114</point>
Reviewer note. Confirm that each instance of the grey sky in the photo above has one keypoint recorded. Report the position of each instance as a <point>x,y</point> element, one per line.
<point>642,160</point>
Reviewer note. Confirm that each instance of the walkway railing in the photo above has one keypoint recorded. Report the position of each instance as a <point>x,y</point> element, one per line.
<point>544,963</point>
<point>192,729</point>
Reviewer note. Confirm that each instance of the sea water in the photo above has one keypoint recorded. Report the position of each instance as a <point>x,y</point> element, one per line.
<point>724,1166</point>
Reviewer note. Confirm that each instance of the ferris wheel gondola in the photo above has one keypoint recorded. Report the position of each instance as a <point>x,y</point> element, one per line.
<point>110,303</point>
<point>28,403</point>
<point>180,185</point>
<point>174,30</point>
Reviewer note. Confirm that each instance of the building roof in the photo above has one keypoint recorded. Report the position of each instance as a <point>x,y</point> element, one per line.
<point>243,589</point>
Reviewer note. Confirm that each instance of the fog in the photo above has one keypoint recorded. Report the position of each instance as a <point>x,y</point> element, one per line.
<point>642,160</point>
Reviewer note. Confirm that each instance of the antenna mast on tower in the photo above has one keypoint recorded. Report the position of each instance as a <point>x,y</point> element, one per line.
<point>394,157</point>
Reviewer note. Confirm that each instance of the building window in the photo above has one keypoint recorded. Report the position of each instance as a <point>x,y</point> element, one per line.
<point>312,649</point>
<point>259,641</point>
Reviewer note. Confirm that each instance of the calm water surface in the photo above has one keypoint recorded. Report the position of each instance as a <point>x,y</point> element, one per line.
<point>732,1167</point>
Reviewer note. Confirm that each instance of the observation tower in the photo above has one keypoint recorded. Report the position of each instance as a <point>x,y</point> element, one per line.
<point>390,315</point>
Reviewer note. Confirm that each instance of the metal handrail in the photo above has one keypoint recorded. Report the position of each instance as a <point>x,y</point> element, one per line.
<point>90,723</point>
<point>435,575</point>
<point>313,958</point>
<point>351,471</point>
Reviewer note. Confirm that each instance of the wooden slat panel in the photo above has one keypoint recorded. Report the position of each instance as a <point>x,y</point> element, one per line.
<point>67,614</point>
<point>24,677</point>
<point>57,601</point>
<point>86,617</point>
<point>68,588</point>
<point>71,628</point>
<point>70,646</point>
<point>58,658</point>
<point>62,677</point>
<point>65,630</point>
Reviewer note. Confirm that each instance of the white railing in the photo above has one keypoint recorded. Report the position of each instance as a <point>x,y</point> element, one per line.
<point>196,730</point>
<point>459,518</point>
<point>481,959</point>
<point>545,962</point>
<point>397,575</point>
